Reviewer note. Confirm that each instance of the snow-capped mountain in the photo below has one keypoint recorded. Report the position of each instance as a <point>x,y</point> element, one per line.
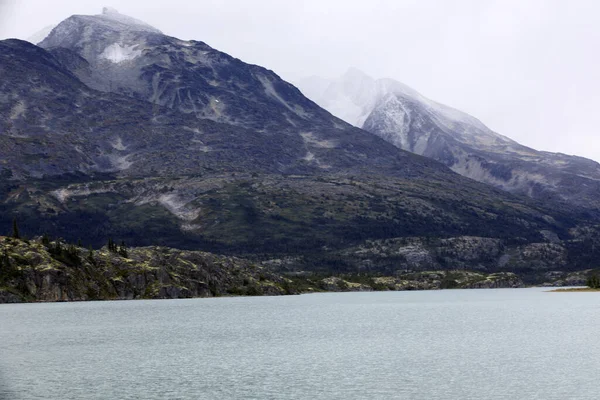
<point>113,53</point>
<point>127,56</point>
<point>410,121</point>
<point>111,128</point>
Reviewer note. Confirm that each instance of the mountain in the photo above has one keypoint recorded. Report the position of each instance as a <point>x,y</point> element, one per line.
<point>112,53</point>
<point>112,129</point>
<point>128,57</point>
<point>40,35</point>
<point>410,121</point>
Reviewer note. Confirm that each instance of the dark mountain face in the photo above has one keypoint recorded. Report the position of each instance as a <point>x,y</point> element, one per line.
<point>56,124</point>
<point>283,129</point>
<point>118,130</point>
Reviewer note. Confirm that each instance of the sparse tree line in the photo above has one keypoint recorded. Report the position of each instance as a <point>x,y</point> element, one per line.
<point>67,253</point>
<point>593,282</point>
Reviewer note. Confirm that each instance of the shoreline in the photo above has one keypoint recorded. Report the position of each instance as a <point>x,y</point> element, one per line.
<point>233,296</point>
<point>575,289</point>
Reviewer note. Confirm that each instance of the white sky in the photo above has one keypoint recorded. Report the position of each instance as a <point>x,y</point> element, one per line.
<point>528,69</point>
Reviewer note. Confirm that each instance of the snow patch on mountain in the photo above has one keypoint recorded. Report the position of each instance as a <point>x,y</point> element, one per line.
<point>394,120</point>
<point>118,144</point>
<point>18,110</point>
<point>311,139</point>
<point>179,207</point>
<point>66,193</point>
<point>120,163</point>
<point>191,129</point>
<point>117,54</point>
<point>177,204</point>
<point>309,156</point>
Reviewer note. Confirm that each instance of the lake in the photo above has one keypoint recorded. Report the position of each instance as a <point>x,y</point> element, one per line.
<point>451,344</point>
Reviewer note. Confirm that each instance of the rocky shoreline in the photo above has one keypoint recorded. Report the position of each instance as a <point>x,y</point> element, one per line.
<point>45,271</point>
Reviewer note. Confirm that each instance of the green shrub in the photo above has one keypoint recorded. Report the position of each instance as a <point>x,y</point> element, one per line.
<point>593,282</point>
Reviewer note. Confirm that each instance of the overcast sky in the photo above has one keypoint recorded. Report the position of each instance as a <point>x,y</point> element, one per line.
<point>529,69</point>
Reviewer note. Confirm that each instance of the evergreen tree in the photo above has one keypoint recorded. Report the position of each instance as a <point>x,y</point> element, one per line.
<point>71,250</point>
<point>5,259</point>
<point>593,282</point>
<point>123,250</point>
<point>90,256</point>
<point>15,233</point>
<point>111,245</point>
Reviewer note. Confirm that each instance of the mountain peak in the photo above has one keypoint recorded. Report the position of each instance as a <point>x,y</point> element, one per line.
<point>112,15</point>
<point>355,74</point>
<point>109,25</point>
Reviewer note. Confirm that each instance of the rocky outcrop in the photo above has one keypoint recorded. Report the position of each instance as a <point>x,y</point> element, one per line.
<point>561,278</point>
<point>448,280</point>
<point>474,253</point>
<point>500,280</point>
<point>33,271</point>
<point>336,284</point>
<point>424,280</point>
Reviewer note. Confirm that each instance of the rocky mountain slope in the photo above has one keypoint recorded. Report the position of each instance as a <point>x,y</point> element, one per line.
<point>114,129</point>
<point>111,52</point>
<point>405,118</point>
<point>55,124</point>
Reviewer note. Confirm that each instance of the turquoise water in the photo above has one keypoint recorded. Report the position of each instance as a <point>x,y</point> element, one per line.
<point>456,344</point>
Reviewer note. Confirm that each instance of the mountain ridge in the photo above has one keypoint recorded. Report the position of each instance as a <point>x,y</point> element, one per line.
<point>170,142</point>
<point>411,122</point>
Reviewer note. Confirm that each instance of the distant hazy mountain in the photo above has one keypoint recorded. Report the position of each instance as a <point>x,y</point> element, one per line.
<point>40,35</point>
<point>410,121</point>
